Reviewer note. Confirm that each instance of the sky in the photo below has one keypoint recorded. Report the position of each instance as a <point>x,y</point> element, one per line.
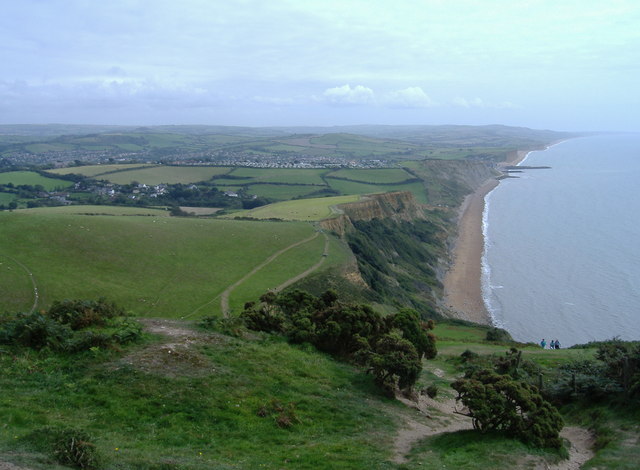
<point>569,65</point>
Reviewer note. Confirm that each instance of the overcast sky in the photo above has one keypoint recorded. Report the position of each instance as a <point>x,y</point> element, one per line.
<point>555,64</point>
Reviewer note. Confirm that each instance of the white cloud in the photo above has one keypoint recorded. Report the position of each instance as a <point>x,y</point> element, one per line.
<point>480,103</point>
<point>411,97</point>
<point>347,95</point>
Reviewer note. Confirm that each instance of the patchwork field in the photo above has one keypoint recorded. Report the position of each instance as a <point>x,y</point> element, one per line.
<point>151,264</point>
<point>300,209</point>
<point>94,170</point>
<point>32,178</point>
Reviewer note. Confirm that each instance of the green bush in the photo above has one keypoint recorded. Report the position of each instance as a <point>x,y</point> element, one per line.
<point>34,330</point>
<point>498,402</point>
<point>79,314</point>
<point>391,346</point>
<point>498,335</point>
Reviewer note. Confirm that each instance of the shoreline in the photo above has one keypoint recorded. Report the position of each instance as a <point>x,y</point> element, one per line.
<point>463,281</point>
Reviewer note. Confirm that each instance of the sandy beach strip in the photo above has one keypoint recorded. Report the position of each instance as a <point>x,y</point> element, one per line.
<point>463,281</point>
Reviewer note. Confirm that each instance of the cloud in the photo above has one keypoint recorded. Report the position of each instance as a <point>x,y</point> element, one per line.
<point>346,95</point>
<point>480,103</point>
<point>411,97</point>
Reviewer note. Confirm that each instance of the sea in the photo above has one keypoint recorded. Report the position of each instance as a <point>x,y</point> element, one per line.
<point>562,245</point>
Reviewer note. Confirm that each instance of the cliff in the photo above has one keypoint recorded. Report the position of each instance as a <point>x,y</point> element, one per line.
<point>396,206</point>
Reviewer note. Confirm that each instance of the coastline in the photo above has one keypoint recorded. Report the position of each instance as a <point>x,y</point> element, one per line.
<point>463,281</point>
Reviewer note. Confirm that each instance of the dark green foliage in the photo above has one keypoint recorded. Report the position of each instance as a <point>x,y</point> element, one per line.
<point>498,335</point>
<point>72,447</point>
<point>585,378</point>
<point>498,402</point>
<point>614,373</point>
<point>80,314</point>
<point>413,329</point>
<point>70,326</point>
<point>33,330</point>
<point>231,326</point>
<point>432,391</point>
<point>395,361</point>
<point>392,347</point>
<point>398,260</point>
<point>622,364</point>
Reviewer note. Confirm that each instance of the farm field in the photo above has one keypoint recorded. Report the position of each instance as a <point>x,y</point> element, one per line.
<point>153,266</point>
<point>282,192</point>
<point>94,170</point>
<point>33,179</point>
<point>96,210</point>
<point>373,175</point>
<point>353,187</point>
<point>300,209</point>
<point>166,174</point>
<point>281,175</point>
<point>6,198</point>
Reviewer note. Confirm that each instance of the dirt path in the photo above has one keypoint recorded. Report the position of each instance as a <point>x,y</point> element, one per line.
<point>304,274</point>
<point>224,300</point>
<point>441,419</point>
<point>580,452</point>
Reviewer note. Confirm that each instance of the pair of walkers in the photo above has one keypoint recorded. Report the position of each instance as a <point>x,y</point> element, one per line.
<point>554,344</point>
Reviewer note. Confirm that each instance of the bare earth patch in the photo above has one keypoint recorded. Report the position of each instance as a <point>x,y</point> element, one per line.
<point>177,356</point>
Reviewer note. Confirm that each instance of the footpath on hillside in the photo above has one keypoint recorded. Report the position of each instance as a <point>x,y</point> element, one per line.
<point>441,416</point>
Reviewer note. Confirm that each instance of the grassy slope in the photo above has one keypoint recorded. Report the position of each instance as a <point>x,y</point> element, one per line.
<point>32,178</point>
<point>301,209</point>
<point>154,266</point>
<point>94,170</point>
<point>198,408</point>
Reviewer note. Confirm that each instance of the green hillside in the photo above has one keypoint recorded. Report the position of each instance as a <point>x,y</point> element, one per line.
<point>31,178</point>
<point>151,264</point>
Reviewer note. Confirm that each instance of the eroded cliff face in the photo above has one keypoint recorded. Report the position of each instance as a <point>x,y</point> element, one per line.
<point>397,206</point>
<point>447,182</point>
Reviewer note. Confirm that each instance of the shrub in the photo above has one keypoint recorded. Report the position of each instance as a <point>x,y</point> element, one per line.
<point>498,402</point>
<point>498,335</point>
<point>34,330</point>
<point>79,314</point>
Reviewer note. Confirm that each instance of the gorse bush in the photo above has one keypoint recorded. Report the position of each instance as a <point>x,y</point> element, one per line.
<point>392,346</point>
<point>70,326</point>
<point>79,314</point>
<point>34,330</point>
<point>498,402</point>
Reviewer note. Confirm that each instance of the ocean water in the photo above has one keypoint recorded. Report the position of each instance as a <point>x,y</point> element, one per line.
<point>562,245</point>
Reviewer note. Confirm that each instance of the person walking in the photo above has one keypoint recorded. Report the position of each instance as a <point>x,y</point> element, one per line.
<point>543,343</point>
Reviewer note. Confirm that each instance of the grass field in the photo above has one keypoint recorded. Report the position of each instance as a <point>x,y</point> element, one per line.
<point>166,174</point>
<point>301,209</point>
<point>198,409</point>
<point>6,198</point>
<point>96,210</point>
<point>281,175</point>
<point>33,179</point>
<point>153,266</point>
<point>381,175</point>
<point>352,187</point>
<point>282,192</point>
<point>94,170</point>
